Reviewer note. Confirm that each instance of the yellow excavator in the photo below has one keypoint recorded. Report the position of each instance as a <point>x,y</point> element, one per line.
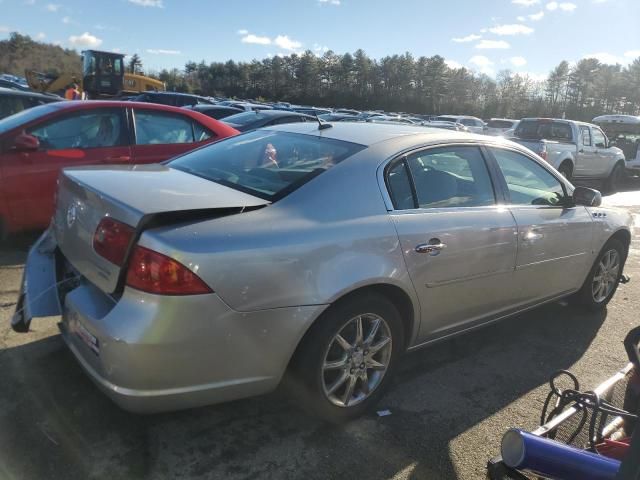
<point>103,76</point>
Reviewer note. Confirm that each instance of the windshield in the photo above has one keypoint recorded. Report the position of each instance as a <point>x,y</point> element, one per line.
<point>245,118</point>
<point>25,116</point>
<point>266,164</point>
<point>544,129</point>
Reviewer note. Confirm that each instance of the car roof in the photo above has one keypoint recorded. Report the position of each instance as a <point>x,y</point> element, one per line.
<point>368,134</point>
<point>85,104</point>
<point>179,94</point>
<point>25,93</point>
<point>277,113</point>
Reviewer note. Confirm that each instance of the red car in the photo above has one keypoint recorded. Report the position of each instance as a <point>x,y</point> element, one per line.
<point>37,143</point>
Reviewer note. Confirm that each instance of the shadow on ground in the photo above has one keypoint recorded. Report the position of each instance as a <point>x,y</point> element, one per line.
<point>55,423</point>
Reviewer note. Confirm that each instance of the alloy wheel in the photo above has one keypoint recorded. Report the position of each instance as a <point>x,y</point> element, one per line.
<point>606,276</point>
<point>356,360</point>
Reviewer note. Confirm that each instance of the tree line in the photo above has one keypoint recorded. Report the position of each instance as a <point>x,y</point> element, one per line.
<point>397,83</point>
<point>403,83</point>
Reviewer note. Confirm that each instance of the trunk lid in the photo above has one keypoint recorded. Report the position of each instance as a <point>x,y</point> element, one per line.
<point>141,196</point>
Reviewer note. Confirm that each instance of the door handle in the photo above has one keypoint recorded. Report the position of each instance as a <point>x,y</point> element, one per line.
<point>581,150</point>
<point>118,158</point>
<point>434,247</point>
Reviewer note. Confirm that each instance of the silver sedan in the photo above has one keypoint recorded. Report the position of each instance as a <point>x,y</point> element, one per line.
<point>313,252</point>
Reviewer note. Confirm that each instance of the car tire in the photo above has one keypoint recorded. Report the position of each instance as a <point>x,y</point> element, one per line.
<point>566,170</point>
<point>340,379</point>
<point>616,179</point>
<point>602,281</point>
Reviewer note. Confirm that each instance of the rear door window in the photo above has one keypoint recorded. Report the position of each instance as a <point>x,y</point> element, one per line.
<point>85,129</point>
<point>154,127</point>
<point>451,177</point>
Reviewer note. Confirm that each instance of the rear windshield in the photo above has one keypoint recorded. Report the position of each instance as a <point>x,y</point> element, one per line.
<point>266,164</point>
<point>245,118</point>
<point>25,116</point>
<point>544,129</point>
<point>447,119</point>
<point>499,124</point>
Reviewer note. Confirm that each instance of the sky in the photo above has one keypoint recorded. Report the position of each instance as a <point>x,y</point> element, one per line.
<point>527,36</point>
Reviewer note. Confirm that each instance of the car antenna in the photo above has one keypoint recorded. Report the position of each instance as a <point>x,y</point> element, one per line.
<point>322,125</point>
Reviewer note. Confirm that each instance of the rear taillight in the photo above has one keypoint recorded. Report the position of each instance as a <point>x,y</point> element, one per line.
<point>543,153</point>
<point>153,272</point>
<point>112,239</point>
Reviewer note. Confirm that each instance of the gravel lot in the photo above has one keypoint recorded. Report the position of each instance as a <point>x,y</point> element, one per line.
<point>449,406</point>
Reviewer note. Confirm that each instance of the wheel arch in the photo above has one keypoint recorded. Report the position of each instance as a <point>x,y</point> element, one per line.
<point>623,236</point>
<point>395,294</point>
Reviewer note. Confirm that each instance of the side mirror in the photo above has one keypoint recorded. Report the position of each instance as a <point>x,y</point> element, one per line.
<point>26,143</point>
<point>587,197</point>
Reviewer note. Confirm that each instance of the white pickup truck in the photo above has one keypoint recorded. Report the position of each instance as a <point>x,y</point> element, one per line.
<point>578,150</point>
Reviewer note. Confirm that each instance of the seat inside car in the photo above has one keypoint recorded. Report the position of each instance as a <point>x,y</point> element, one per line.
<point>435,186</point>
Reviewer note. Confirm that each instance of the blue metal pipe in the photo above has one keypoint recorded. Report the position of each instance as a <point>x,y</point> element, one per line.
<point>524,451</point>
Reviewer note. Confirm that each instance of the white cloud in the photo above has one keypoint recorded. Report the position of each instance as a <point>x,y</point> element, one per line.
<point>536,77</point>
<point>632,54</point>
<point>66,19</point>
<point>286,43</point>
<point>251,38</point>
<point>160,51</point>
<point>4,29</point>
<point>518,61</point>
<point>52,7</point>
<point>567,6</point>
<point>480,61</point>
<point>468,38</point>
<point>242,31</point>
<point>320,48</point>
<point>521,18</point>
<point>605,57</point>
<point>537,16</point>
<point>564,6</point>
<point>483,63</point>
<point>513,29</point>
<point>41,36</point>
<point>525,3</point>
<point>453,64</point>
<point>599,1</point>
<point>148,3</point>
<point>492,44</point>
<point>329,2</point>
<point>85,40</point>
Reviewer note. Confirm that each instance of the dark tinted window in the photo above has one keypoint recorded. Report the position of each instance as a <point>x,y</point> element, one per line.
<point>246,118</point>
<point>499,124</point>
<point>544,129</point>
<point>85,129</point>
<point>528,182</point>
<point>10,104</point>
<point>451,177</point>
<point>400,187</point>
<point>265,163</point>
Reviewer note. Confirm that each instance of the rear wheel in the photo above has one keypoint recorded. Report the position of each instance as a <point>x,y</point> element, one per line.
<point>603,279</point>
<point>566,170</point>
<point>347,358</point>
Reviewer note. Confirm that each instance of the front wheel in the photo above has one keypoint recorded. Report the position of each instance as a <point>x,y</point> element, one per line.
<point>346,359</point>
<point>603,279</point>
<point>616,178</point>
<point>566,170</point>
